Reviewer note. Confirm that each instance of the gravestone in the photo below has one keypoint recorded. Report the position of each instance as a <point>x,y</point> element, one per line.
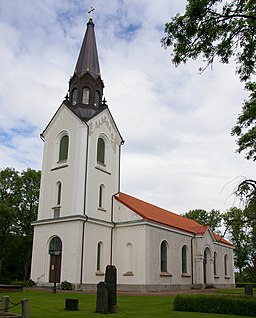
<point>71,304</point>
<point>110,279</point>
<point>102,298</point>
<point>248,290</point>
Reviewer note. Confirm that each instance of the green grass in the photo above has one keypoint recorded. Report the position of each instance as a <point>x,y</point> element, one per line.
<point>44,304</point>
<point>235,291</point>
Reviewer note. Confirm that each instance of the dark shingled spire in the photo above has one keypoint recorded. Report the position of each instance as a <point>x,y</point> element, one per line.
<point>88,57</point>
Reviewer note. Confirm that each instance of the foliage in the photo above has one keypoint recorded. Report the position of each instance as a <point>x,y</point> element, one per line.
<point>28,283</point>
<point>19,194</point>
<point>65,285</point>
<point>212,218</point>
<point>243,284</point>
<point>243,306</point>
<point>234,221</point>
<point>224,29</point>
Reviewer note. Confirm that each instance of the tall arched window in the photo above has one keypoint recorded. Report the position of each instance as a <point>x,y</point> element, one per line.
<point>101,151</point>
<point>101,196</point>
<point>63,150</point>
<point>99,256</point>
<point>163,257</point>
<point>58,193</point>
<point>97,99</point>
<point>184,266</point>
<point>215,263</point>
<point>86,95</point>
<point>74,97</point>
<point>226,265</point>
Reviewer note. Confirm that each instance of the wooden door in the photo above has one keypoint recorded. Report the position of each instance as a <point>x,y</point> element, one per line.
<point>55,268</point>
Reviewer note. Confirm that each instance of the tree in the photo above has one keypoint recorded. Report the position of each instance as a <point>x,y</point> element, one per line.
<point>19,195</point>
<point>224,29</point>
<point>234,221</point>
<point>212,218</point>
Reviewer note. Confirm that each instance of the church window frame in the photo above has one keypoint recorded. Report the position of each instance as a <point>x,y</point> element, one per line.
<point>74,96</point>
<point>58,194</point>
<point>97,101</point>
<point>164,257</point>
<point>129,259</point>
<point>102,190</point>
<point>86,95</point>
<point>226,265</point>
<point>99,259</point>
<point>184,259</point>
<point>215,269</point>
<point>101,151</point>
<point>63,148</point>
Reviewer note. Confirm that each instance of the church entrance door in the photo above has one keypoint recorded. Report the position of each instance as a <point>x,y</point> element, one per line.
<point>55,251</point>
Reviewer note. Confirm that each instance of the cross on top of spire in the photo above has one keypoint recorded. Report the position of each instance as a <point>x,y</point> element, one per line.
<point>90,13</point>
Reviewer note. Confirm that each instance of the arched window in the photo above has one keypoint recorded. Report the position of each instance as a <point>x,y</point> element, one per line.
<point>97,99</point>
<point>226,265</point>
<point>74,97</point>
<point>99,256</point>
<point>163,257</point>
<point>63,150</point>
<point>58,193</point>
<point>101,196</point>
<point>184,266</point>
<point>129,258</point>
<point>55,246</point>
<point>215,263</point>
<point>101,151</point>
<point>86,95</point>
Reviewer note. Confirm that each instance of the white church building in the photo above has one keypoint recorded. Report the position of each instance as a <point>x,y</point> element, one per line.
<point>85,223</point>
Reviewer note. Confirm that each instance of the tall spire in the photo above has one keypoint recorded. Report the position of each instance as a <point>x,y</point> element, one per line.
<point>88,60</point>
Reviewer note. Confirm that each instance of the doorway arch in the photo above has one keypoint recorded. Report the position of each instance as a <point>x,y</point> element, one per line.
<point>55,251</point>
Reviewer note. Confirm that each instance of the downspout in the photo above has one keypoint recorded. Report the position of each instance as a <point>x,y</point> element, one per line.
<point>192,261</point>
<point>84,209</point>
<point>112,206</point>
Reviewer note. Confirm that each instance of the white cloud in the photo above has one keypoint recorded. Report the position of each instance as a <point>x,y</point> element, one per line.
<point>178,152</point>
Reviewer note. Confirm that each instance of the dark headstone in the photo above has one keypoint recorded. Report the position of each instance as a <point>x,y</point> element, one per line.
<point>71,304</point>
<point>248,290</point>
<point>102,298</point>
<point>110,279</point>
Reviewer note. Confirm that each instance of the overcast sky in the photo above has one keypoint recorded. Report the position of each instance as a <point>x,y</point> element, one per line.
<point>176,123</point>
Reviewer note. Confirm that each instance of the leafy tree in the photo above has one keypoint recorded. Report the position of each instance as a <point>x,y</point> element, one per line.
<point>19,194</point>
<point>224,29</point>
<point>212,218</point>
<point>234,221</point>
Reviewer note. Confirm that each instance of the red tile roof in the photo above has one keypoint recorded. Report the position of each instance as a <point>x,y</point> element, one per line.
<point>153,213</point>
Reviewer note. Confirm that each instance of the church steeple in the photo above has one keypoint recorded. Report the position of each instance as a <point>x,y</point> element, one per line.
<point>86,85</point>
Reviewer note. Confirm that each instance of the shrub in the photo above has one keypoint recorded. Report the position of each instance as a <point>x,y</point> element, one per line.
<point>5,281</point>
<point>26,283</point>
<point>243,306</point>
<point>243,284</point>
<point>65,286</point>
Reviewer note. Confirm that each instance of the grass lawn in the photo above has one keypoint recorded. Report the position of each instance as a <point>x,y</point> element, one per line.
<point>44,304</point>
<point>235,291</point>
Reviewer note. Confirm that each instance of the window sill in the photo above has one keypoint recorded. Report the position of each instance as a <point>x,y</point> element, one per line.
<point>165,274</point>
<point>216,276</point>
<point>99,273</point>
<point>185,275</point>
<point>102,168</point>
<point>60,167</point>
<point>227,277</point>
<point>129,273</point>
<point>101,209</point>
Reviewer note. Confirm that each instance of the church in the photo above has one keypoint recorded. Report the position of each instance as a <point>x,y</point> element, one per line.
<point>85,222</point>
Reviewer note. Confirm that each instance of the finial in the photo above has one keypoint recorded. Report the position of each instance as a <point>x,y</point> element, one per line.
<point>90,13</point>
<point>104,102</point>
<point>66,97</point>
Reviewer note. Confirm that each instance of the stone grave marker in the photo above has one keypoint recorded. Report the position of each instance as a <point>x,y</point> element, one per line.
<point>102,298</point>
<point>110,279</point>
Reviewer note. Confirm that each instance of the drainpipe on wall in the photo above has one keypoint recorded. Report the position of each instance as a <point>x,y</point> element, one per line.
<point>84,210</point>
<point>112,206</point>
<point>192,262</point>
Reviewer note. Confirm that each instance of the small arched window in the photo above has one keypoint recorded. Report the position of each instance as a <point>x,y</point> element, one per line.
<point>101,196</point>
<point>58,193</point>
<point>97,99</point>
<point>226,265</point>
<point>215,263</point>
<point>55,246</point>
<point>86,95</point>
<point>74,97</point>
<point>63,150</point>
<point>99,255</point>
<point>101,151</point>
<point>163,257</point>
<point>184,266</point>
